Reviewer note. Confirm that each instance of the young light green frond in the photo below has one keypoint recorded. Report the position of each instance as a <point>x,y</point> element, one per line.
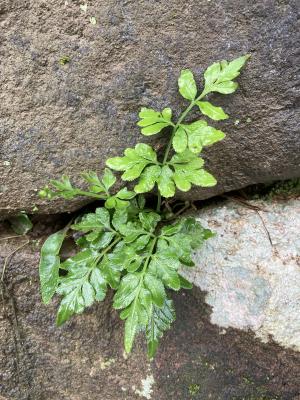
<point>165,182</point>
<point>212,73</point>
<point>95,185</point>
<point>167,114</point>
<point>213,112</point>
<point>154,129</point>
<point>120,200</point>
<point>219,76</point>
<point>187,170</point>
<point>180,140</point>
<point>203,178</point>
<point>187,85</point>
<point>230,70</point>
<point>195,136</point>
<point>225,87</point>
<point>183,170</point>
<point>108,179</point>
<point>59,188</point>
<point>148,179</point>
<point>134,161</point>
<point>153,122</point>
<point>100,185</point>
<point>64,188</point>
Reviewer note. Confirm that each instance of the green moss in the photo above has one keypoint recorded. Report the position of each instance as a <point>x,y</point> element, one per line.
<point>194,389</point>
<point>248,380</point>
<point>287,188</point>
<point>64,60</point>
<point>275,191</point>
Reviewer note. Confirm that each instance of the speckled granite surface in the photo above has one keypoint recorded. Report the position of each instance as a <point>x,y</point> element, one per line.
<point>251,269</point>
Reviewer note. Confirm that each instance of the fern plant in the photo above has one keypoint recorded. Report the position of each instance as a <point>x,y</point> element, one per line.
<point>125,245</point>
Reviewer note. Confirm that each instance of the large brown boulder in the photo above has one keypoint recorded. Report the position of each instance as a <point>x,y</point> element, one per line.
<point>67,118</point>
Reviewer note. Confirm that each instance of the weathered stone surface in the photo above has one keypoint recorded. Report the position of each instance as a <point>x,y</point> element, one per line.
<point>251,269</point>
<point>84,359</point>
<point>69,118</point>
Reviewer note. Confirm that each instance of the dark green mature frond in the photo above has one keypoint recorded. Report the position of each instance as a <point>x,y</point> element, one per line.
<point>83,284</point>
<point>159,322</point>
<point>153,268</point>
<point>49,264</point>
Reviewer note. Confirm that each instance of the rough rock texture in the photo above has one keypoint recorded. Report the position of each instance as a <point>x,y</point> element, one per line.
<point>251,269</point>
<point>84,359</point>
<point>66,118</point>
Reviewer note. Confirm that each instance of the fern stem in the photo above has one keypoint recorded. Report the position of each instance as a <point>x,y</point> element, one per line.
<point>158,202</point>
<point>167,152</point>
<point>149,256</point>
<point>143,272</point>
<point>103,252</point>
<point>92,195</point>
<point>181,118</point>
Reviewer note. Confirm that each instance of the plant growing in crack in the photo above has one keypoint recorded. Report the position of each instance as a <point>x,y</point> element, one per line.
<point>125,244</point>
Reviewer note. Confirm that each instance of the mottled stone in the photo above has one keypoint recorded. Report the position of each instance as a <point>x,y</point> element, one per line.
<point>251,269</point>
<point>67,118</point>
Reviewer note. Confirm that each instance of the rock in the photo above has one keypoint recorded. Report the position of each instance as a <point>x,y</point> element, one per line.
<point>250,270</point>
<point>84,359</point>
<point>71,89</point>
